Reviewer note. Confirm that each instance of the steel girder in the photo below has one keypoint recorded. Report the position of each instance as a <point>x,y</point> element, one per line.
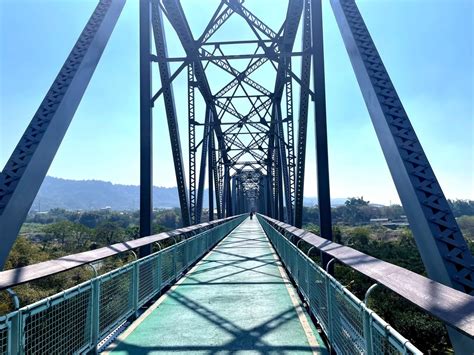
<point>24,172</point>
<point>321,136</point>
<point>146,126</point>
<point>202,170</point>
<point>168,97</point>
<point>303,114</point>
<point>442,247</point>
<point>210,175</point>
<point>192,144</point>
<point>291,148</point>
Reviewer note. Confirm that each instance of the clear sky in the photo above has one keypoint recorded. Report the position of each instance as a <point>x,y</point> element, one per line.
<point>426,45</point>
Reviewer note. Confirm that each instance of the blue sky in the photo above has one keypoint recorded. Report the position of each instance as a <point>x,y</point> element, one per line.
<point>426,45</point>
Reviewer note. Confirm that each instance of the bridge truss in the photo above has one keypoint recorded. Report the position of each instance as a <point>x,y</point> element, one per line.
<point>246,129</point>
<point>244,138</point>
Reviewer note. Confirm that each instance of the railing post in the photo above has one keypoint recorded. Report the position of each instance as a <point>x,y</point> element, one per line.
<point>160,280</point>
<point>16,332</point>
<point>329,305</point>
<point>175,271</point>
<point>95,310</point>
<point>135,287</point>
<point>186,252</point>
<point>367,320</point>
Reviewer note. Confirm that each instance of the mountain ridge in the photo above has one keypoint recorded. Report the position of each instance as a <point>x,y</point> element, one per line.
<point>96,194</point>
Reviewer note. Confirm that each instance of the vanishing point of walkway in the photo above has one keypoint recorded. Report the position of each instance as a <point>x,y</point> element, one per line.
<point>237,300</point>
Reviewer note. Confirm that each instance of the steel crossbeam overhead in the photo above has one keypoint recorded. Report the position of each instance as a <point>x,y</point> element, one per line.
<point>24,172</point>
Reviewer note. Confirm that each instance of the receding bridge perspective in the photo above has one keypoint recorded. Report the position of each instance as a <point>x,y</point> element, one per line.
<point>244,277</point>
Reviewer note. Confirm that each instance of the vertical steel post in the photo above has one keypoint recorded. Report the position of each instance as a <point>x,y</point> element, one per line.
<point>146,126</point>
<point>303,114</point>
<point>192,144</point>
<point>324,198</point>
<point>170,108</point>
<point>202,165</point>
<point>322,164</point>
<point>234,196</point>
<point>228,192</point>
<point>210,173</point>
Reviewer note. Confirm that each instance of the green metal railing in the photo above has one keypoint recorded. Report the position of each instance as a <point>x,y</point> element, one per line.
<point>349,325</point>
<point>76,320</point>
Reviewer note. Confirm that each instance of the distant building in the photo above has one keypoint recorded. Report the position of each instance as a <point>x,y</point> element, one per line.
<point>378,220</point>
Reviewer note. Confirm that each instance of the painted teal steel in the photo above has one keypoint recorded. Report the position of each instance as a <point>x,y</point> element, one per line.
<point>350,326</point>
<point>75,320</point>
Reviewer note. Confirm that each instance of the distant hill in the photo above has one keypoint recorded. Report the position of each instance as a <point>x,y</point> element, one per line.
<point>96,194</point>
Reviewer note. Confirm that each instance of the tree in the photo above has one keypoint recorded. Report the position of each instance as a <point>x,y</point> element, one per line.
<point>462,207</point>
<point>356,202</point>
<point>108,233</point>
<point>89,219</point>
<point>59,231</point>
<point>466,223</point>
<point>356,210</point>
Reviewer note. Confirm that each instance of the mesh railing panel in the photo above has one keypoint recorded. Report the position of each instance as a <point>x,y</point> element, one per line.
<point>180,255</point>
<point>3,335</point>
<point>302,274</point>
<point>116,302</point>
<point>340,314</point>
<point>193,252</point>
<point>148,278</point>
<point>76,319</point>
<point>167,266</point>
<point>60,325</point>
<point>381,343</point>
<point>317,296</point>
<point>347,323</point>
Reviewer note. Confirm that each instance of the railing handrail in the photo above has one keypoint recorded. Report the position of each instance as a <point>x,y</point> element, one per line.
<point>453,307</point>
<point>14,277</point>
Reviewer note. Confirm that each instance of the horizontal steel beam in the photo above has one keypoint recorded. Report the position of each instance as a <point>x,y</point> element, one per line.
<point>232,57</point>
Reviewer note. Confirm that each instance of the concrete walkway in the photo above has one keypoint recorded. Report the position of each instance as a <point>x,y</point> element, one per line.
<point>236,300</point>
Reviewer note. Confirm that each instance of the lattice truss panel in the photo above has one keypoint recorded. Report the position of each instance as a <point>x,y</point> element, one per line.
<point>240,67</point>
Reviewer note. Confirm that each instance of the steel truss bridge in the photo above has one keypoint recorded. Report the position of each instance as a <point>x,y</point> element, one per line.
<point>244,147</point>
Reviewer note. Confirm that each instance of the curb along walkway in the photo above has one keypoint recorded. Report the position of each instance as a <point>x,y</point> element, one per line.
<point>234,301</point>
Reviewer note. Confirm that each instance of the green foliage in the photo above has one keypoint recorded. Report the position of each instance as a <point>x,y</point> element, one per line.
<point>424,331</point>
<point>313,229</point>
<point>168,218</point>
<point>466,223</point>
<point>107,233</point>
<point>462,207</point>
<point>356,202</point>
<point>47,236</point>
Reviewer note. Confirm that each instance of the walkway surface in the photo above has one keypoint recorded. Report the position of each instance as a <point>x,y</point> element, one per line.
<point>235,300</point>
